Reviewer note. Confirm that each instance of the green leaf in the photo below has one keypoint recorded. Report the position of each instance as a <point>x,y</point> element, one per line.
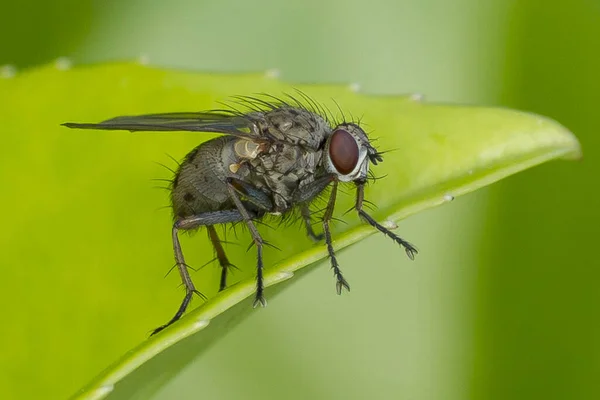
<point>95,183</point>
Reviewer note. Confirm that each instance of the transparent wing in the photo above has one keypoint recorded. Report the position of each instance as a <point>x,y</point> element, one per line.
<point>211,121</point>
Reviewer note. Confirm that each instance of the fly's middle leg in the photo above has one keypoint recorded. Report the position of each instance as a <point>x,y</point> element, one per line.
<point>221,256</point>
<point>257,239</point>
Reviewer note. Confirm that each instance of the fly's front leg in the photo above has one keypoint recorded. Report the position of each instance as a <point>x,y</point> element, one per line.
<point>205,219</point>
<point>410,250</point>
<point>234,188</point>
<point>340,281</point>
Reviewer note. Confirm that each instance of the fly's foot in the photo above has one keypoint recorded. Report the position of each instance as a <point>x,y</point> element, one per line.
<point>226,268</point>
<point>316,237</point>
<point>184,305</point>
<point>160,328</point>
<point>259,299</point>
<point>411,251</point>
<point>341,283</point>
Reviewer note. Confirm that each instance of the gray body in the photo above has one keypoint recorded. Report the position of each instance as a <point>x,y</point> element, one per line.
<point>277,168</point>
<point>270,159</point>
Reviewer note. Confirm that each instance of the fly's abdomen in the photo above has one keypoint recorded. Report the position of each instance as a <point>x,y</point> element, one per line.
<point>200,183</point>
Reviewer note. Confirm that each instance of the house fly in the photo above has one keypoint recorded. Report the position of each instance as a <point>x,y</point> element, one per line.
<point>275,156</point>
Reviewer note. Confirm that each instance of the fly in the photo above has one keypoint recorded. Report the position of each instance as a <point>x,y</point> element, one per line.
<point>276,156</point>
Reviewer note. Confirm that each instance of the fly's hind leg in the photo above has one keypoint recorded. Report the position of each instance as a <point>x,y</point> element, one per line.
<point>205,219</point>
<point>255,196</point>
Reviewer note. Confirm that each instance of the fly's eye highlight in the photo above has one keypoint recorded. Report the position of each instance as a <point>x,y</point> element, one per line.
<point>343,151</point>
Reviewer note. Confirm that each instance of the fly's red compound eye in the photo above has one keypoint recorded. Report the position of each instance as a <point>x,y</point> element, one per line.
<point>343,151</point>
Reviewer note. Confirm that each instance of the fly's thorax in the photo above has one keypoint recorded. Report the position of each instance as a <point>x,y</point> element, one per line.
<point>281,170</point>
<point>347,153</point>
<point>296,126</point>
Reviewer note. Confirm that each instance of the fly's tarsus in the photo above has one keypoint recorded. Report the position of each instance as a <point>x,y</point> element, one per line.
<point>411,251</point>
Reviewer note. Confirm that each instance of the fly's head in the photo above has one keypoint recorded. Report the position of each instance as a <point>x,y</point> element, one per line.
<point>348,153</point>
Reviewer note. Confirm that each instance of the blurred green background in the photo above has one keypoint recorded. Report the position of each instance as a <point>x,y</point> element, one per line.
<point>502,302</point>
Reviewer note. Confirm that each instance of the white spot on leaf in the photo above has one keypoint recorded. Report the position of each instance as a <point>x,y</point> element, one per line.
<point>354,87</point>
<point>272,73</point>
<point>390,224</point>
<point>201,324</point>
<point>285,275</point>
<point>8,71</point>
<point>63,63</point>
<point>144,59</point>
<point>102,391</point>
